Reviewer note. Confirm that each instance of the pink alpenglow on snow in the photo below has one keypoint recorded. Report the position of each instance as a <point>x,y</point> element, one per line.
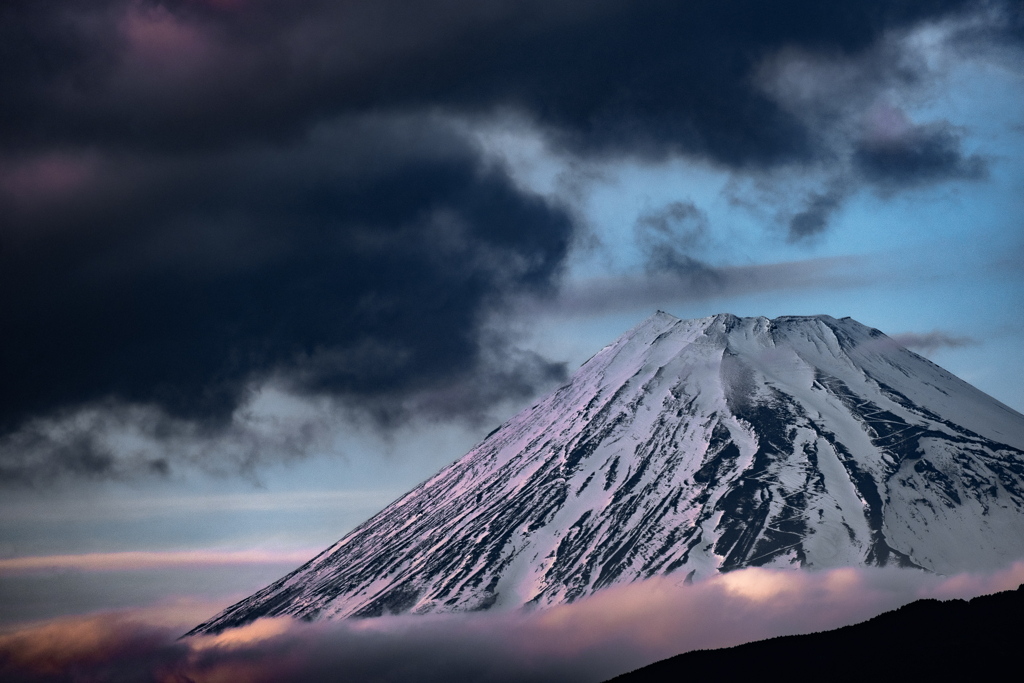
<point>687,449</point>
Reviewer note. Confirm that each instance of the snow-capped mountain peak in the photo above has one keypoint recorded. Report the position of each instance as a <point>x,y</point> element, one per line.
<point>690,447</point>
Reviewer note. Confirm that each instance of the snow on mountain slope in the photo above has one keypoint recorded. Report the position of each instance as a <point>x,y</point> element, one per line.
<point>692,447</point>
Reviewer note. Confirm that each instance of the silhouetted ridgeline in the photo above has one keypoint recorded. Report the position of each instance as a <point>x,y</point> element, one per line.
<point>947,640</point>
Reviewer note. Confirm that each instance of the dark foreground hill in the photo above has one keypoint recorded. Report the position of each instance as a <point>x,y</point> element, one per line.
<point>927,640</point>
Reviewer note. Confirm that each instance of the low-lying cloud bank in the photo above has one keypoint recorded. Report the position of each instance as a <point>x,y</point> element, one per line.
<point>617,630</point>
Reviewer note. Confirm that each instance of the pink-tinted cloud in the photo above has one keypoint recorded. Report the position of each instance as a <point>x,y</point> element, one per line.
<point>886,124</point>
<point>46,177</point>
<point>166,50</point>
<point>614,631</point>
<point>153,560</point>
<point>155,31</point>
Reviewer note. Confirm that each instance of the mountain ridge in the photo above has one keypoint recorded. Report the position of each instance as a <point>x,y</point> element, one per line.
<point>691,447</point>
<point>923,639</point>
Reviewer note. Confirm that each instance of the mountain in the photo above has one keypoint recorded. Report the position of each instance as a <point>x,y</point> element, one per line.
<point>925,640</point>
<point>692,447</point>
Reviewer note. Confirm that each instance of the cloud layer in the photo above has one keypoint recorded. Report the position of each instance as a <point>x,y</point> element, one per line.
<point>614,631</point>
<point>200,197</point>
<point>652,77</point>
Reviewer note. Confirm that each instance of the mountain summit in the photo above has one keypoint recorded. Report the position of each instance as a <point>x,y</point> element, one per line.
<point>692,447</point>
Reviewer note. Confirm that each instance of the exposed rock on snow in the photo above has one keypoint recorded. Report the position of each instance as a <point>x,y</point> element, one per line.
<point>692,447</point>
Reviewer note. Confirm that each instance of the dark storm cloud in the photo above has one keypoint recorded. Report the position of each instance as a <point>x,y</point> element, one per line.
<point>199,195</point>
<point>651,78</point>
<point>916,155</point>
<point>359,261</point>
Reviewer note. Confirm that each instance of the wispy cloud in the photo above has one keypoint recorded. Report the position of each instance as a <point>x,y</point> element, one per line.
<point>930,342</point>
<point>697,281</point>
<point>103,562</point>
<point>131,507</point>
